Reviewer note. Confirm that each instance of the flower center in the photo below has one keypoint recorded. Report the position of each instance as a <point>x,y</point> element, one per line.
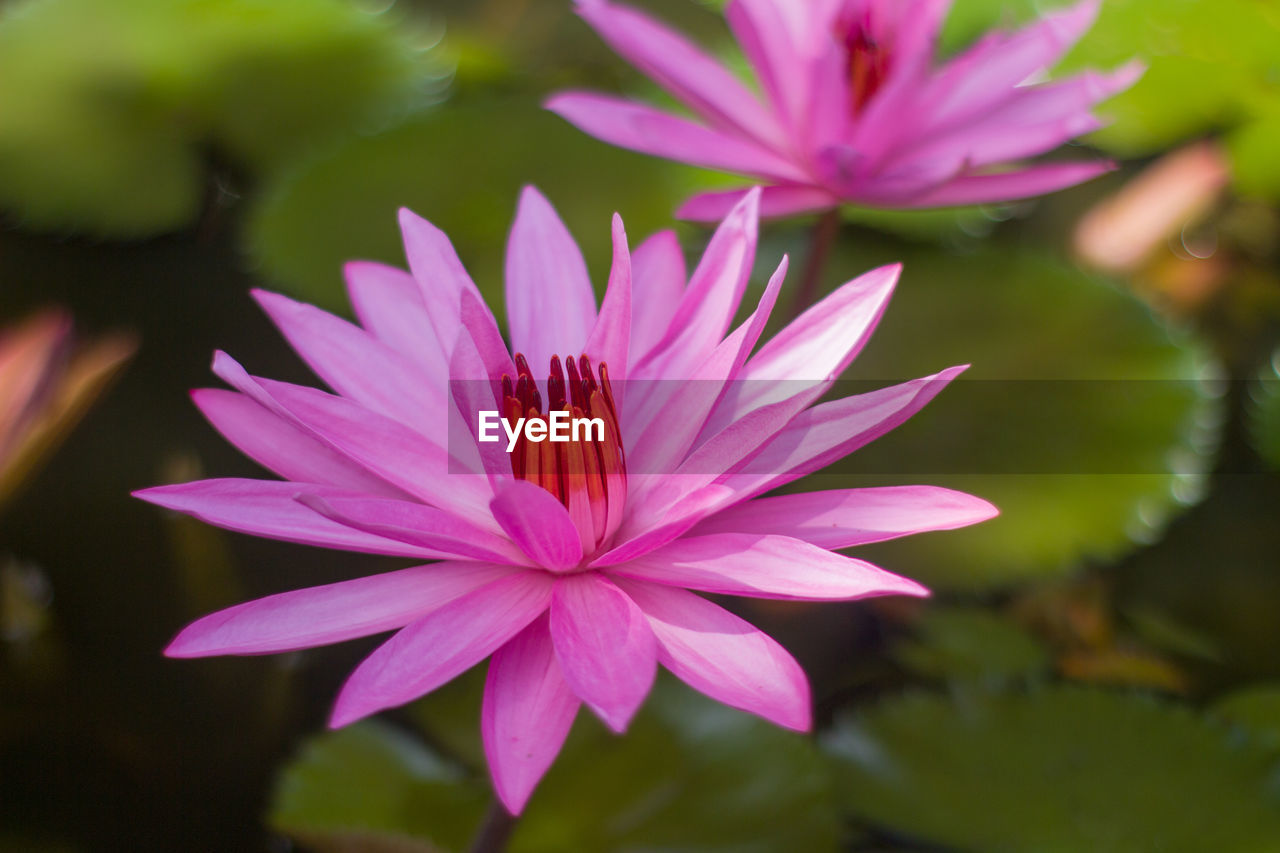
<point>867,58</point>
<point>588,473</point>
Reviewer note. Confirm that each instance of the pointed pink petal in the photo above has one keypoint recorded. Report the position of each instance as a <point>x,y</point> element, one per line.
<point>475,387</point>
<point>383,446</point>
<point>610,340</point>
<point>658,278</point>
<point>776,201</point>
<point>642,128</point>
<point>550,304</point>
<point>762,29</point>
<point>714,293</point>
<point>831,431</point>
<point>760,566</point>
<point>320,615</point>
<point>683,69</point>
<point>668,526</point>
<point>528,711</point>
<point>267,508</point>
<point>680,415</point>
<point>281,447</point>
<point>357,365</point>
<point>389,304</point>
<point>434,264</point>
<point>443,282</point>
<point>538,523</point>
<point>606,649</point>
<point>821,342</point>
<point>987,73</point>
<point>478,336</point>
<point>1008,186</point>
<point>442,645</point>
<point>1034,119</point>
<point>847,517</point>
<point>718,654</point>
<point>717,445</point>
<point>415,524</point>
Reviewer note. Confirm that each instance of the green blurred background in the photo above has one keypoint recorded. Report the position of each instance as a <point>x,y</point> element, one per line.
<point>1098,670</point>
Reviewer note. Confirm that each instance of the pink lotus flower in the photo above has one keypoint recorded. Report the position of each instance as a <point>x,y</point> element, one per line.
<point>854,109</point>
<point>569,564</point>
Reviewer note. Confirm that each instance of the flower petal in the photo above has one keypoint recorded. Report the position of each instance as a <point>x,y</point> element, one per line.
<point>444,282</point>
<point>846,517</point>
<point>821,342</point>
<point>267,508</point>
<point>610,340</point>
<point>1008,186</point>
<point>761,566</point>
<point>550,304</point>
<point>281,447</point>
<point>528,711</point>
<point>415,524</point>
<point>389,304</point>
<point>683,69</point>
<point>714,293</point>
<point>718,654</point>
<point>606,649</point>
<point>658,278</point>
<point>819,436</point>
<point>357,365</point>
<point>320,615</point>
<point>987,74</point>
<point>775,201</point>
<point>442,645</point>
<point>1033,120</point>
<point>538,523</point>
<point>642,128</point>
<point>383,446</point>
<point>767,32</point>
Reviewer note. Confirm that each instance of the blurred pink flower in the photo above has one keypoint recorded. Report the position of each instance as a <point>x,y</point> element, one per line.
<point>854,109</point>
<point>570,564</point>
<point>46,385</point>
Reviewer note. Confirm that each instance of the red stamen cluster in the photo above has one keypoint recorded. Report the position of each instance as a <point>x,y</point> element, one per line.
<point>866,63</point>
<point>587,476</point>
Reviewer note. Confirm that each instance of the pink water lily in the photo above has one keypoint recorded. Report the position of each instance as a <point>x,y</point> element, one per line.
<point>853,106</point>
<point>574,567</point>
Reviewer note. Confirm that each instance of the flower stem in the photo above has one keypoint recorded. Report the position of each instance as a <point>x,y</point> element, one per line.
<point>821,239</point>
<point>495,830</point>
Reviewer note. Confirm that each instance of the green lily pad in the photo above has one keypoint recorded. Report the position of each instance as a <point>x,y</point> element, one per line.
<point>970,644</point>
<point>1062,769</point>
<point>1083,418</point>
<point>375,780</point>
<point>1256,709</point>
<point>461,167</point>
<point>110,109</point>
<point>689,774</point>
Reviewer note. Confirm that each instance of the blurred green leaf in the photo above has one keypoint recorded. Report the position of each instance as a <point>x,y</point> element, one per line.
<point>343,205</point>
<point>1256,708</point>
<point>690,774</point>
<point>1087,434</point>
<point>110,108</point>
<point>972,644</point>
<point>1062,769</point>
<point>372,779</point>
